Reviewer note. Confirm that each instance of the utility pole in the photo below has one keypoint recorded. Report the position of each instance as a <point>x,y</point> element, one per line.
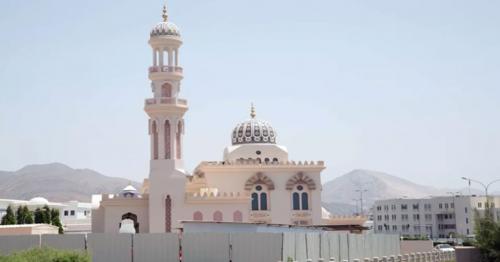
<point>361,191</point>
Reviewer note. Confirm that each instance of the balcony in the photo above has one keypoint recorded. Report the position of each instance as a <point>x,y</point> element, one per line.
<point>170,69</point>
<point>166,101</point>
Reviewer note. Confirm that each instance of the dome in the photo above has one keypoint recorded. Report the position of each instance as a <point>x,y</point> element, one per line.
<point>39,201</point>
<point>253,131</point>
<point>129,191</point>
<point>165,29</point>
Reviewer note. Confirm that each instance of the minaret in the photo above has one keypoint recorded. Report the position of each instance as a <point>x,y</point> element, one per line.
<point>166,127</point>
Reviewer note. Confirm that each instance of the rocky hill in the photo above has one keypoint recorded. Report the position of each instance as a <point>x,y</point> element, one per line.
<point>338,194</point>
<point>58,182</point>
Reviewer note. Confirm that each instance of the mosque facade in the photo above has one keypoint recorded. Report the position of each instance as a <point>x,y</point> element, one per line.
<point>255,182</point>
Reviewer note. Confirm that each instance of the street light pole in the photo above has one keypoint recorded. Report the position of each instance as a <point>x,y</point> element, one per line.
<point>485,186</point>
<point>361,191</point>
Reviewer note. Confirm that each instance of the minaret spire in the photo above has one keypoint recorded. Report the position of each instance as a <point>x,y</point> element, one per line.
<point>165,14</point>
<point>252,111</point>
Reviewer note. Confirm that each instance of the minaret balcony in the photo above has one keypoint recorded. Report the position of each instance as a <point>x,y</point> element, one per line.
<point>167,69</point>
<point>166,101</point>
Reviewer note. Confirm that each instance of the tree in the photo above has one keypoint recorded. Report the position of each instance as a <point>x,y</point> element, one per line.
<point>46,215</point>
<point>9,218</point>
<point>28,215</point>
<point>20,215</point>
<point>38,216</point>
<point>54,214</point>
<point>488,236</point>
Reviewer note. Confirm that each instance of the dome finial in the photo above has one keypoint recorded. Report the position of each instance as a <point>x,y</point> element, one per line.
<point>165,15</point>
<point>252,111</point>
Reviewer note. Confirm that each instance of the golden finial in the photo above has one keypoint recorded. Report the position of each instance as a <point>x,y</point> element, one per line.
<point>252,111</point>
<point>165,15</point>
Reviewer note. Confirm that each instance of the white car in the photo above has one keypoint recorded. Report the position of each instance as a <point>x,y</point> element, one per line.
<point>444,247</point>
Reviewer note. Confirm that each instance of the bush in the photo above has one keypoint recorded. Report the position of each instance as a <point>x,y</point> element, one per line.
<point>46,255</point>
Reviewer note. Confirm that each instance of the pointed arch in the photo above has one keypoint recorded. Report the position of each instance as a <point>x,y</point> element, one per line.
<point>218,216</point>
<point>197,216</point>
<point>259,178</point>
<point>154,130</point>
<point>178,140</point>
<point>301,178</point>
<point>237,216</point>
<point>166,137</point>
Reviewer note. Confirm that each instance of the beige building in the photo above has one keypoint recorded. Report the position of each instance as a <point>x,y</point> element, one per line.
<point>255,182</point>
<point>438,217</point>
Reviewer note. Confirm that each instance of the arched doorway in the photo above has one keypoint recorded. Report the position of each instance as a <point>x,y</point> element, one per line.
<point>132,217</point>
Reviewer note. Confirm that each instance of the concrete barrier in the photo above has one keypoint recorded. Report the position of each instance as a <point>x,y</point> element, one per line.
<point>65,242</point>
<point>10,244</point>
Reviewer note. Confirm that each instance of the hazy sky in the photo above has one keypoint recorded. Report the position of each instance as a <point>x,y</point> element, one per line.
<point>411,88</point>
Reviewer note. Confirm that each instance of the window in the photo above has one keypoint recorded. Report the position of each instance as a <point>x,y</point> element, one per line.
<point>65,213</point>
<point>428,217</point>
<point>468,231</point>
<point>446,205</point>
<point>386,217</point>
<point>404,217</point>
<point>258,152</point>
<point>415,206</point>
<point>379,228</point>
<point>259,198</point>
<point>379,217</point>
<point>263,201</point>
<point>452,205</point>
<point>479,204</point>
<point>393,207</point>
<point>275,160</point>
<point>300,199</point>
<point>427,207</point>
<point>393,217</point>
<point>394,228</point>
<point>386,207</point>
<point>466,220</point>
<point>296,201</point>
<point>404,206</point>
<point>379,208</point>
<point>267,160</point>
<point>305,201</point>
<point>440,205</point>
<point>72,212</point>
<point>465,210</point>
<point>255,201</point>
<point>416,217</point>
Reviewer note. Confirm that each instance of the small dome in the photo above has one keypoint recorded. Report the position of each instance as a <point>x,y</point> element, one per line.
<point>165,29</point>
<point>253,131</point>
<point>129,191</point>
<point>39,201</point>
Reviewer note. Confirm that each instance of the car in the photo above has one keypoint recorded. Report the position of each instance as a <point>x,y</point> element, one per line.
<point>444,247</point>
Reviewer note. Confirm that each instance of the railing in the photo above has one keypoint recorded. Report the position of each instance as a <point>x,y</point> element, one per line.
<point>173,69</point>
<point>166,100</point>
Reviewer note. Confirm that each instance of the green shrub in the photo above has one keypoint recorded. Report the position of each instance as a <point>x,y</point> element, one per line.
<point>46,255</point>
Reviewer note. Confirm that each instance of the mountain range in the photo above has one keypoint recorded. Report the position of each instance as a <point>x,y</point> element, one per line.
<point>58,183</point>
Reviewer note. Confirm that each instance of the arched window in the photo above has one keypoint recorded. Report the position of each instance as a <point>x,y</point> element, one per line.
<point>155,140</point>
<point>237,216</point>
<point>166,90</point>
<point>305,201</point>
<point>130,217</point>
<point>218,216</point>
<point>259,198</point>
<point>266,160</point>
<point>197,216</point>
<point>255,201</point>
<point>296,201</point>
<point>263,201</point>
<point>167,140</point>
<point>300,198</point>
<point>178,140</point>
<point>275,160</point>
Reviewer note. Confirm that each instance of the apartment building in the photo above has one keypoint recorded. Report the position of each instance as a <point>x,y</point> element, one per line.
<point>437,217</point>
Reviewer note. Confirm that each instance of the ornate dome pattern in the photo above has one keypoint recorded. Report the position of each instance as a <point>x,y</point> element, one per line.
<point>253,131</point>
<point>165,29</point>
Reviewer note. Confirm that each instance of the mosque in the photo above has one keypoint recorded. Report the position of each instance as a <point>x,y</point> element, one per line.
<point>255,182</point>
